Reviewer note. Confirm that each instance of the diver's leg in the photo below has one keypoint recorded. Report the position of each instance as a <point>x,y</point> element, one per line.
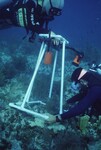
<point>4,3</point>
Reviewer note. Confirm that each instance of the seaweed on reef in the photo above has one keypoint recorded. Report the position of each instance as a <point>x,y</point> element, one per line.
<point>56,88</point>
<point>34,138</point>
<point>4,144</point>
<point>53,102</point>
<point>19,62</point>
<point>41,86</point>
<point>41,91</point>
<point>8,70</point>
<point>42,139</point>
<point>53,105</point>
<point>69,141</point>
<point>2,78</point>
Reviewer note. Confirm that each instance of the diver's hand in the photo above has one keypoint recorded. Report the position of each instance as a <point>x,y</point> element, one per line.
<point>51,119</point>
<point>56,41</point>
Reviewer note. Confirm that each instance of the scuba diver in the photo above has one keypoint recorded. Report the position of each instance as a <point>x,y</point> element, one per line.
<point>33,15</point>
<point>89,97</point>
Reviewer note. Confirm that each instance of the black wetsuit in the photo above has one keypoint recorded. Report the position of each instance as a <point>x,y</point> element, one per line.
<point>28,15</point>
<point>92,98</point>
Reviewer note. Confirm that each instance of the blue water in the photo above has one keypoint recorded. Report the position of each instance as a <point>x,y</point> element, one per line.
<point>80,23</point>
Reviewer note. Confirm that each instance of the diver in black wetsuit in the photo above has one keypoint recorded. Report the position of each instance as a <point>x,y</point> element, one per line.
<point>33,15</point>
<point>89,98</point>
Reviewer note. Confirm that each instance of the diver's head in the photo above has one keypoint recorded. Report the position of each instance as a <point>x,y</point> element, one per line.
<point>53,7</point>
<point>78,79</point>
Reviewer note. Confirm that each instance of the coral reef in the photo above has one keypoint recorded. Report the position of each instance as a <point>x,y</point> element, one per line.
<point>84,123</point>
<point>20,131</point>
<point>19,62</point>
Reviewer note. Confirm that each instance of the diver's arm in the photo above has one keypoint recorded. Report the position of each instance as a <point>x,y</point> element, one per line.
<point>82,93</point>
<point>75,98</point>
<point>83,105</point>
<point>4,3</point>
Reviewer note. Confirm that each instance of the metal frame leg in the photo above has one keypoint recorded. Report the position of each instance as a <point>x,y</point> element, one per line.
<point>62,77</point>
<point>53,74</point>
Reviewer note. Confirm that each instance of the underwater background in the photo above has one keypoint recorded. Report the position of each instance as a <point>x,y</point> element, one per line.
<point>80,24</point>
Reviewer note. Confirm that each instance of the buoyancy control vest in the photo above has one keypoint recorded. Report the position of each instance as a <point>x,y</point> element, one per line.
<point>29,15</point>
